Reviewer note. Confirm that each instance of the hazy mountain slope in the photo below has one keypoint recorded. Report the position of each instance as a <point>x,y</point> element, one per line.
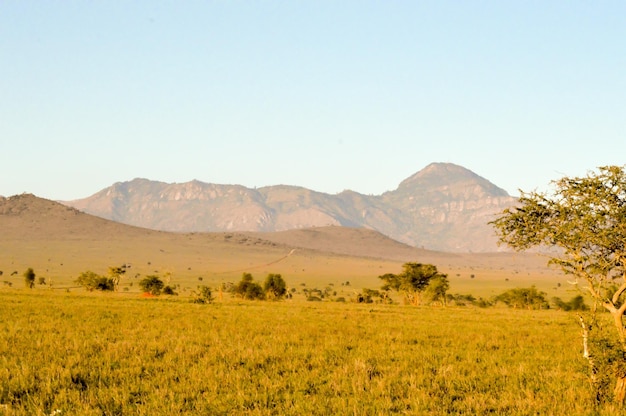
<point>443,207</point>
<point>348,241</point>
<point>191,206</point>
<point>447,207</point>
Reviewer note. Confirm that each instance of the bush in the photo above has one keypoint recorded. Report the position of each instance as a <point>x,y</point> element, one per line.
<point>247,288</point>
<point>275,286</point>
<point>371,296</point>
<point>204,295</point>
<point>577,303</point>
<point>92,281</point>
<point>169,290</point>
<point>529,298</point>
<point>151,284</point>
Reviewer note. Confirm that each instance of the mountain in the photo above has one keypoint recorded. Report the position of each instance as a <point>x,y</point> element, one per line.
<point>443,207</point>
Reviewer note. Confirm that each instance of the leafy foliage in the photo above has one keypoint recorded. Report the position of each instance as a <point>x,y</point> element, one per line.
<point>527,298</point>
<point>372,296</point>
<point>414,278</point>
<point>585,218</point>
<point>169,290</point>
<point>275,286</point>
<point>92,281</point>
<point>204,295</point>
<point>247,288</point>
<point>436,290</point>
<point>577,303</point>
<point>152,284</point>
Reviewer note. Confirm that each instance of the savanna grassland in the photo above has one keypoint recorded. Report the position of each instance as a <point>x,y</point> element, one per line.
<point>113,354</point>
<point>65,351</point>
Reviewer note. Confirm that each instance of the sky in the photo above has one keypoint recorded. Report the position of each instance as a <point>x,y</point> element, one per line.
<point>328,95</point>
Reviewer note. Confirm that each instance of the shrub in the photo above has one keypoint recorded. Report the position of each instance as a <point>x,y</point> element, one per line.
<point>151,284</point>
<point>371,296</point>
<point>169,290</point>
<point>247,288</point>
<point>577,303</point>
<point>275,286</point>
<point>92,281</point>
<point>204,295</point>
<point>529,298</point>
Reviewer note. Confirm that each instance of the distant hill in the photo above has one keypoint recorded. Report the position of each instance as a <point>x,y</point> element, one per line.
<point>443,207</point>
<point>60,242</point>
<point>35,220</point>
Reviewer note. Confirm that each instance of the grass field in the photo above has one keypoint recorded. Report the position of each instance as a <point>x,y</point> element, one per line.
<point>64,351</point>
<point>115,354</point>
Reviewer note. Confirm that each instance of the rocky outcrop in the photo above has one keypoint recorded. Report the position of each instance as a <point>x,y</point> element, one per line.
<point>442,207</point>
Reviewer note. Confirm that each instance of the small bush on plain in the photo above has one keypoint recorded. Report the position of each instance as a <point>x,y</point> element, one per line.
<point>93,281</point>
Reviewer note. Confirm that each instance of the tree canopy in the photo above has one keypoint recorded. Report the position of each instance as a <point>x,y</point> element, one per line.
<point>247,288</point>
<point>527,298</point>
<point>584,218</point>
<point>415,277</point>
<point>93,281</point>
<point>152,284</point>
<point>275,286</point>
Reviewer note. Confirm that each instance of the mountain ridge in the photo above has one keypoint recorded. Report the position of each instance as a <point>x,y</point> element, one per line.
<point>442,207</point>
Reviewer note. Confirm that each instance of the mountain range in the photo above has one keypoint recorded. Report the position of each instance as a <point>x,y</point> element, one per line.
<point>442,207</point>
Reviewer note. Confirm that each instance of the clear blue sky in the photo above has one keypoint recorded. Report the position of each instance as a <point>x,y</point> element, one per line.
<point>330,95</point>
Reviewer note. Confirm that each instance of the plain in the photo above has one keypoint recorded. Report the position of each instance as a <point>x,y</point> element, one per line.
<point>111,355</point>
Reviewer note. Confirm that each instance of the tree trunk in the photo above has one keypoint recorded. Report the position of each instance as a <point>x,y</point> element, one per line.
<point>593,369</point>
<point>620,385</point>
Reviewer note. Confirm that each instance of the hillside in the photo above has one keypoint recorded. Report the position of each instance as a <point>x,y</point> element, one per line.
<point>443,207</point>
<point>60,242</point>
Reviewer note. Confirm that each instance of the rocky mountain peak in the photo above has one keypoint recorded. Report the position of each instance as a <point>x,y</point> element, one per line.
<point>442,207</point>
<point>451,180</point>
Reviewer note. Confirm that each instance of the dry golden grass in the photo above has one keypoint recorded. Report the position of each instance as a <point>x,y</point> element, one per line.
<point>107,354</point>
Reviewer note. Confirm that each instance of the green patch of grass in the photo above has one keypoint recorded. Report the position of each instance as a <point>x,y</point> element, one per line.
<point>112,354</point>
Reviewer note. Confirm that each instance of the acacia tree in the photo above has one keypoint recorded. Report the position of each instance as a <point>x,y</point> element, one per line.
<point>92,281</point>
<point>116,273</point>
<point>152,284</point>
<point>414,278</point>
<point>585,219</point>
